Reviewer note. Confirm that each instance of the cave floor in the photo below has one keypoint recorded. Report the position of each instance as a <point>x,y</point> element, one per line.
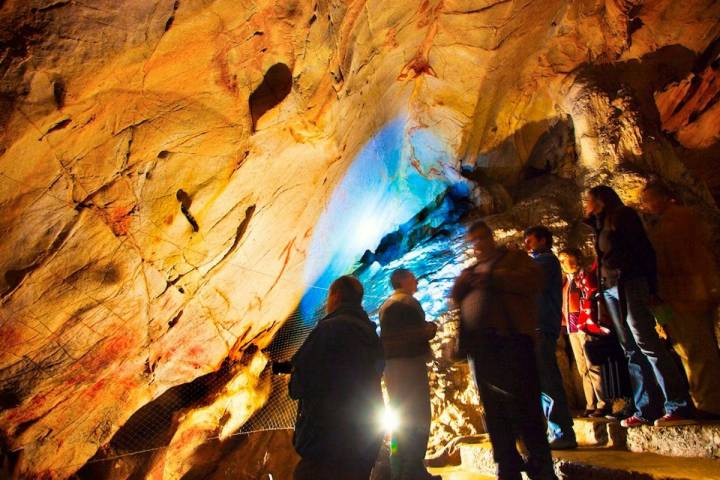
<point>588,462</point>
<point>457,473</point>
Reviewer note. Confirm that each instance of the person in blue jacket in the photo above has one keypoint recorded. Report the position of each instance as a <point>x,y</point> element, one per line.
<point>538,243</point>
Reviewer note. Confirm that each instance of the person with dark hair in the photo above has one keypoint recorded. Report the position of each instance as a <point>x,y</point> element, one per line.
<point>336,378</point>
<point>405,336</point>
<point>538,243</point>
<point>579,286</point>
<point>498,316</point>
<point>628,272</point>
<point>688,282</point>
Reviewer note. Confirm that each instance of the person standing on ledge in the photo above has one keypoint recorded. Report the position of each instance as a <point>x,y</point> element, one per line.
<point>688,281</point>
<point>405,337</point>
<point>498,317</point>
<point>629,276</point>
<point>579,286</point>
<point>538,243</point>
<point>336,377</point>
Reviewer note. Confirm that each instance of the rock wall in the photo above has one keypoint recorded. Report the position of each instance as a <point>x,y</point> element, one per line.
<point>165,165</point>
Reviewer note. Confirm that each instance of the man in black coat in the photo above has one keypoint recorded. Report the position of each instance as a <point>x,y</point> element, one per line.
<point>336,377</point>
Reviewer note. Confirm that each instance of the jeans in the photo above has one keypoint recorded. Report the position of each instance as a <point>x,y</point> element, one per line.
<point>506,376</point>
<point>649,362</point>
<point>554,400</point>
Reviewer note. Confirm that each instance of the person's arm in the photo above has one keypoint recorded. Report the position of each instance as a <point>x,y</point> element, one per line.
<point>518,275</point>
<point>631,245</point>
<point>309,365</point>
<point>462,286</point>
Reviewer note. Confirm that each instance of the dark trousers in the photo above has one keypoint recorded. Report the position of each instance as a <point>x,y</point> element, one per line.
<point>318,470</point>
<point>506,375</point>
<point>553,398</point>
<point>408,389</point>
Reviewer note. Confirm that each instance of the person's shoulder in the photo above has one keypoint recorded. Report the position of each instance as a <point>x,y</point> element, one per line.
<point>627,213</point>
<point>512,254</point>
<point>345,321</point>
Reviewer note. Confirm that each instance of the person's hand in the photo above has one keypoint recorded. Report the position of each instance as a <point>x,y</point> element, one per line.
<point>279,368</point>
<point>661,331</point>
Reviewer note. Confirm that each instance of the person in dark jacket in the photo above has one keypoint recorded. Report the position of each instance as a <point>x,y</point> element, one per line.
<point>629,280</point>
<point>538,242</point>
<point>405,336</point>
<point>498,318</point>
<point>336,378</point>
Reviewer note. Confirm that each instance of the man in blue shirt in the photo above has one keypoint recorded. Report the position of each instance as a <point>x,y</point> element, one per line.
<point>538,243</point>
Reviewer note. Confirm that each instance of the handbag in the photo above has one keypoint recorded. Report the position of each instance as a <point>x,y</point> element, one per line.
<point>601,349</point>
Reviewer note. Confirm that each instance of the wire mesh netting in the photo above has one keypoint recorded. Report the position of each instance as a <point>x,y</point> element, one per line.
<point>152,427</point>
<point>280,410</point>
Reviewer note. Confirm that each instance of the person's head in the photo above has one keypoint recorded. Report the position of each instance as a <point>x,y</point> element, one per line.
<point>480,235</point>
<point>656,198</point>
<point>601,199</point>
<point>403,279</point>
<point>344,290</point>
<point>570,259</point>
<point>538,239</point>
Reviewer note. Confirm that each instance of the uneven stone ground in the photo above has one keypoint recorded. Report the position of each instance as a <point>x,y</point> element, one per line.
<point>608,451</point>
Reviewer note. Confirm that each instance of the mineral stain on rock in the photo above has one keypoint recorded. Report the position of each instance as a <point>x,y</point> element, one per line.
<point>185,203</point>
<point>276,85</point>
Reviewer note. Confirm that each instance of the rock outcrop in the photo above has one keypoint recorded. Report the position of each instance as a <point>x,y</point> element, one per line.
<point>166,167</point>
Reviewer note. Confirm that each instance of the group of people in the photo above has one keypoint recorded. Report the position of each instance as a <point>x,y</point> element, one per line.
<point>513,307</point>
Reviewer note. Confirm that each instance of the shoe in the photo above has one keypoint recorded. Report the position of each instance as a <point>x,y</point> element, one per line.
<point>634,421</point>
<point>563,443</point>
<point>586,413</point>
<point>600,412</point>
<point>619,416</point>
<point>673,420</point>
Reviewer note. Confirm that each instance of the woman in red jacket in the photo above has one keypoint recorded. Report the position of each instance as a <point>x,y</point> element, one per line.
<point>579,286</point>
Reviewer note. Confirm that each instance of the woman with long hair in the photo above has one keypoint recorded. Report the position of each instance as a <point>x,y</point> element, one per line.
<point>628,274</point>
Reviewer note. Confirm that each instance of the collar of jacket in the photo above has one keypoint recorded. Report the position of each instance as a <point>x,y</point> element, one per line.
<point>348,309</point>
<point>541,253</point>
<point>400,291</point>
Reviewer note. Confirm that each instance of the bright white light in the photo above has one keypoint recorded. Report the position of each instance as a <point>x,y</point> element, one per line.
<point>368,232</point>
<point>389,420</point>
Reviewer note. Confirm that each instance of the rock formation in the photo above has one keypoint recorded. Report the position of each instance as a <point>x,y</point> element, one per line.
<point>176,174</point>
